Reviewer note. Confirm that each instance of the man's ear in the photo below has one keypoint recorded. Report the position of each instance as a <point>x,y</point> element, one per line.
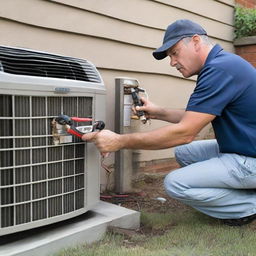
<point>197,42</point>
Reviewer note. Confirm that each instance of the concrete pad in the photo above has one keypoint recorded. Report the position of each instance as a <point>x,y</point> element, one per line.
<point>87,228</point>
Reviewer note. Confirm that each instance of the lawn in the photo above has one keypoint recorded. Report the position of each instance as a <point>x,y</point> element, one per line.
<point>170,229</point>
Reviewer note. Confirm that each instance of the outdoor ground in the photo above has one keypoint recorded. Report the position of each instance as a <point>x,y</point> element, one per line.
<point>148,192</point>
<point>168,228</point>
<point>149,195</point>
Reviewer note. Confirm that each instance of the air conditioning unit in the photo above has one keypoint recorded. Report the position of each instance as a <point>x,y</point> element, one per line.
<point>42,182</point>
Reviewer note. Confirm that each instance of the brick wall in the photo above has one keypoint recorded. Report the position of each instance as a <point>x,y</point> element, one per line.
<point>247,3</point>
<point>247,52</point>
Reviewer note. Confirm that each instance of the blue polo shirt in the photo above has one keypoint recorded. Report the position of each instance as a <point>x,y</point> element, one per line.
<point>226,87</point>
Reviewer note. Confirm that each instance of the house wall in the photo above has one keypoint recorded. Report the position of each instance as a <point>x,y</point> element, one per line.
<point>118,37</point>
<point>247,51</point>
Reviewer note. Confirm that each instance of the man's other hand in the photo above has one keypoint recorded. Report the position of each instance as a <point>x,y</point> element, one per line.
<point>105,140</point>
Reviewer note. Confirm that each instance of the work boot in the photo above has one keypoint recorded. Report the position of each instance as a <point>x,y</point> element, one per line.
<point>240,221</point>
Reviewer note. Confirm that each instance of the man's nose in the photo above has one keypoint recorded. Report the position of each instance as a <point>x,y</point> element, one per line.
<point>173,62</point>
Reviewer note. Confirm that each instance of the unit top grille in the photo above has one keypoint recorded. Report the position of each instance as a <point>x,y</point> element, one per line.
<point>33,63</point>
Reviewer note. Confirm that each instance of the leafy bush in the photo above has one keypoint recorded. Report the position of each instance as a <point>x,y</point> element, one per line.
<point>245,22</point>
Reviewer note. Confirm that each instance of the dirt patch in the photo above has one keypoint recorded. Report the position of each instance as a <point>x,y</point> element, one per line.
<point>148,194</point>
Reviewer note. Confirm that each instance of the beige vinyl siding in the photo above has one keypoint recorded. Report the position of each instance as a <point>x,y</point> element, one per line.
<point>118,36</point>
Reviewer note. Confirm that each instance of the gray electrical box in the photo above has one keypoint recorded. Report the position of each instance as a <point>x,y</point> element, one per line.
<point>123,158</point>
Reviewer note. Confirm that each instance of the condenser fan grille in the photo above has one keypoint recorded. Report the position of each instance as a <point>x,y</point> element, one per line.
<point>39,180</point>
<point>31,63</point>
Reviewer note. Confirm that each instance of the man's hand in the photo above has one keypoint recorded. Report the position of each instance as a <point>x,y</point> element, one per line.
<point>151,110</point>
<point>105,140</point>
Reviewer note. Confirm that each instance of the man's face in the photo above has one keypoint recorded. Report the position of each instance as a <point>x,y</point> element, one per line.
<point>184,57</point>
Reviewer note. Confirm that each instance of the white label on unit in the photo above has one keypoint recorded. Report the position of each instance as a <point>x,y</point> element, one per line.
<point>65,139</point>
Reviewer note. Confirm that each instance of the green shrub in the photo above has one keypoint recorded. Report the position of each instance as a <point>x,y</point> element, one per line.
<point>245,22</point>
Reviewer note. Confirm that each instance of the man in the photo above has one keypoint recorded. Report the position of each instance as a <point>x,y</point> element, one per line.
<point>218,177</point>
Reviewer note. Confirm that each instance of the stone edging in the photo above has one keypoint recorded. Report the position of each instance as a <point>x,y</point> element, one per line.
<point>249,40</point>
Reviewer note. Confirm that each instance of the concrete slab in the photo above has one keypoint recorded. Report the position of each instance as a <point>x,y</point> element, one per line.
<point>86,228</point>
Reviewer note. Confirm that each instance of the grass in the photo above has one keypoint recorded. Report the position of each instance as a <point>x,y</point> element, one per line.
<point>177,233</point>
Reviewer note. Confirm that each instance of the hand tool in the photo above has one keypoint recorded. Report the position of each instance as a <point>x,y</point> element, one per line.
<point>137,102</point>
<point>78,131</point>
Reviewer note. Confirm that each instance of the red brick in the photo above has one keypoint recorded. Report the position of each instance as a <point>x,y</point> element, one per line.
<point>247,3</point>
<point>161,167</point>
<point>254,63</point>
<point>241,2</point>
<point>239,50</point>
<point>251,57</point>
<point>250,5</point>
<point>249,49</point>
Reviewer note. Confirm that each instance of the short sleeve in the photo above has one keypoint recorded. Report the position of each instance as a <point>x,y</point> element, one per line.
<point>214,90</point>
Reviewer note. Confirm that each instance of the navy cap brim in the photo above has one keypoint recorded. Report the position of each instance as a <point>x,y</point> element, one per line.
<point>160,53</point>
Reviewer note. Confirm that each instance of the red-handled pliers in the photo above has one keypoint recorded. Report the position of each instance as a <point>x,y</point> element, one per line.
<point>68,122</point>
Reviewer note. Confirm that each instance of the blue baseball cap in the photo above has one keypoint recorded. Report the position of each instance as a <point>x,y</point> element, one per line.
<point>175,32</point>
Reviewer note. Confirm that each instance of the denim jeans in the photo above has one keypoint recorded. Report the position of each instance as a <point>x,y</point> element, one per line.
<point>221,185</point>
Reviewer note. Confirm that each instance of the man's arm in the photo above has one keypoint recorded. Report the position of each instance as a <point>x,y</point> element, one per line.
<point>171,115</point>
<point>165,137</point>
<point>155,112</point>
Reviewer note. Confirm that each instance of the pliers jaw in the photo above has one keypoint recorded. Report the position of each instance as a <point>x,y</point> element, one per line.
<point>64,120</point>
<point>66,123</point>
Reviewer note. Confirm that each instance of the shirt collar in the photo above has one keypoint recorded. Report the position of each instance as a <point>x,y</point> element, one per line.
<point>213,53</point>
